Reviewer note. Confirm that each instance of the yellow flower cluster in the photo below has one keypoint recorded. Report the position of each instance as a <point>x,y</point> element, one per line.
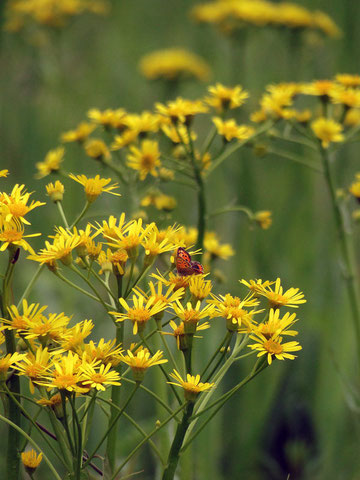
<point>233,14</point>
<point>174,64</point>
<point>51,13</point>
<point>338,101</point>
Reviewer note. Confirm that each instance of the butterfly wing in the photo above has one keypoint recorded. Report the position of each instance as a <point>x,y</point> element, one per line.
<point>183,262</point>
<point>197,268</point>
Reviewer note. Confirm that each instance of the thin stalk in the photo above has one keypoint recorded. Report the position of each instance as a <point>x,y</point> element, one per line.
<point>111,446</point>
<point>30,285</point>
<point>229,151</point>
<point>35,445</point>
<point>141,275</point>
<point>235,208</point>
<point>13,445</point>
<point>66,424</point>
<point>217,351</point>
<point>166,346</point>
<point>225,398</point>
<point>81,214</point>
<point>140,444</point>
<point>174,453</point>
<point>78,436</point>
<point>295,159</point>
<point>111,425</point>
<point>62,213</point>
<point>218,363</point>
<point>345,234</point>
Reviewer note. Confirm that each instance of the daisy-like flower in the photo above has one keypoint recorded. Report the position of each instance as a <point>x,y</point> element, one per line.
<point>192,385</point>
<point>61,249</point>
<point>348,80</point>
<point>178,134</point>
<point>95,186</point>
<point>97,149</point>
<point>106,352</point>
<point>130,236</point>
<point>140,313</point>
<point>276,326</point>
<point>108,118</point>
<point>125,139</point>
<point>75,336</point>
<point>55,191</point>
<point>349,97</point>
<point>20,321</point>
<point>181,110</point>
<point>144,123</point>
<point>8,361</point>
<point>173,63</point>
<point>31,460</point>
<point>156,291</point>
<point>263,219</point>
<point>14,205</point>
<point>199,287</point>
<point>179,333</point>
<point>327,130</point>
<point>160,201</point>
<point>140,360</point>
<point>12,233</point>
<point>34,366</point>
<point>192,315</point>
<point>352,117</point>
<point>51,163</point>
<point>48,328</point>
<point>145,159</point>
<point>229,129</point>
<point>80,134</point>
<point>153,246</point>
<point>273,347</point>
<point>320,88</point>
<point>236,311</point>
<point>100,377</point>
<point>66,374</point>
<point>256,286</point>
<point>214,249</point>
<point>55,403</point>
<point>278,298</point>
<point>223,98</point>
<point>179,281</point>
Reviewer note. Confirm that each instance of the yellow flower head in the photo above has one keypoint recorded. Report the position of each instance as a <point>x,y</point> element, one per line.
<point>80,134</point>
<point>55,191</point>
<point>349,97</point>
<point>34,366</point>
<point>15,205</point>
<point>51,163</point>
<point>199,287</point>
<point>235,311</point>
<point>140,360</point>
<point>192,385</point>
<point>31,460</point>
<point>159,200</point>
<point>142,123</point>
<point>145,159</point>
<point>66,374</point>
<point>214,249</point>
<point>99,377</point>
<point>327,130</point>
<point>95,186</point>
<point>263,219</point>
<point>179,333</point>
<point>172,64</point>
<point>108,118</point>
<point>128,237</point>
<point>140,313</point>
<point>276,326</point>
<point>4,173</point>
<point>273,347</point>
<point>348,80</point>
<point>8,361</point>
<point>223,98</point>
<point>97,149</point>
<point>192,315</point>
<point>354,188</point>
<point>177,281</point>
<point>278,298</point>
<point>320,88</point>
<point>12,233</point>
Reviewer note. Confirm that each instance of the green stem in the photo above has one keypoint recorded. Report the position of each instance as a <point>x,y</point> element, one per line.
<point>217,351</point>
<point>235,208</point>
<point>13,445</point>
<point>31,284</point>
<point>35,445</point>
<point>62,214</point>
<point>218,363</point>
<point>146,439</point>
<point>66,424</point>
<point>294,158</point>
<point>81,214</point>
<point>221,402</point>
<point>174,453</point>
<point>111,449</point>
<point>78,436</point>
<point>345,234</point>
<point>113,421</point>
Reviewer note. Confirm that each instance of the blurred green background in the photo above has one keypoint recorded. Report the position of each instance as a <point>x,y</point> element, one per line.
<point>296,417</point>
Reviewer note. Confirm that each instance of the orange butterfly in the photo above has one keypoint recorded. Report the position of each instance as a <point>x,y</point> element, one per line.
<point>185,266</point>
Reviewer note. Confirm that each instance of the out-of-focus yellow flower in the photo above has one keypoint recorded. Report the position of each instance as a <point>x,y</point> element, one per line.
<point>229,129</point>
<point>263,218</point>
<point>4,173</point>
<point>174,64</point>
<point>97,149</point>
<point>181,110</point>
<point>223,98</point>
<point>95,186</point>
<point>352,117</point>
<point>159,200</point>
<point>51,163</point>
<point>348,80</point>
<point>109,118</point>
<point>214,249</point>
<point>55,191</point>
<point>350,97</point>
<point>80,134</point>
<point>145,159</point>
<point>327,130</point>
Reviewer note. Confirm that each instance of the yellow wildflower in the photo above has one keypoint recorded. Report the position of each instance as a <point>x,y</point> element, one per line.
<point>145,159</point>
<point>229,129</point>
<point>97,149</point>
<point>31,460</point>
<point>95,186</point>
<point>140,361</point>
<point>51,163</point>
<point>12,233</point>
<point>55,191</point>
<point>263,219</point>
<point>99,377</point>
<point>192,385</point>
<point>327,130</point>
<point>272,347</point>
<point>278,298</point>
<point>14,206</point>
<point>80,134</point>
<point>223,98</point>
